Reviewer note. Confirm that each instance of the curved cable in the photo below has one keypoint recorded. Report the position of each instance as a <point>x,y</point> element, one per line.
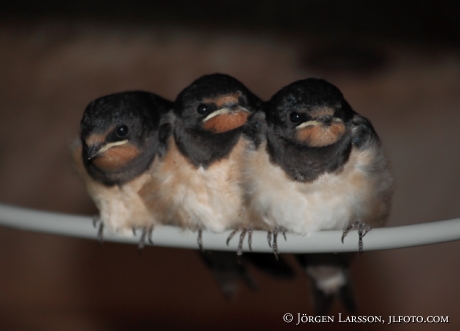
<point>169,236</point>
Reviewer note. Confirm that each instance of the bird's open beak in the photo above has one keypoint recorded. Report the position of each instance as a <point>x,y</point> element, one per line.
<point>225,110</point>
<point>92,151</point>
<point>321,120</point>
<point>227,118</point>
<point>100,148</point>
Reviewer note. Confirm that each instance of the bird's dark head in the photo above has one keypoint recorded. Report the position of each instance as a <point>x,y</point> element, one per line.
<point>310,112</point>
<point>215,103</point>
<point>119,133</point>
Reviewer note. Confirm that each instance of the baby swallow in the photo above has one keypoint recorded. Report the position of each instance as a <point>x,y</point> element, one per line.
<point>321,167</point>
<point>122,136</point>
<point>198,183</point>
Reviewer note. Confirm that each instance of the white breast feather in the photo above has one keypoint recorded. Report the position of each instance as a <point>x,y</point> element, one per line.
<point>121,209</point>
<point>328,203</point>
<point>209,198</point>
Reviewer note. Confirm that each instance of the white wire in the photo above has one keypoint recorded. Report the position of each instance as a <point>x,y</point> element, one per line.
<point>169,236</point>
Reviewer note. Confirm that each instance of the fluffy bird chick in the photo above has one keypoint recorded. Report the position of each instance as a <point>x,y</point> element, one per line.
<point>321,167</point>
<point>122,136</point>
<point>198,183</point>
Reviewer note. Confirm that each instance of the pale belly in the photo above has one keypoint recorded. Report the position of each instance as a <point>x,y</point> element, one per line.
<point>192,198</point>
<point>121,208</point>
<point>329,203</point>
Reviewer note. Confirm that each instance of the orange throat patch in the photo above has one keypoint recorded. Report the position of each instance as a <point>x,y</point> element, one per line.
<point>116,157</point>
<point>226,122</point>
<point>321,135</point>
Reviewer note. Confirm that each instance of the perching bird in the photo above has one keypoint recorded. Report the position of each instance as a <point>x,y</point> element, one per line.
<point>122,136</point>
<point>321,167</point>
<point>197,184</point>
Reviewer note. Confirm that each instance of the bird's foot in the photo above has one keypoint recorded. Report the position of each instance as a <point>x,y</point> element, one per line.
<point>274,243</point>
<point>199,240</point>
<point>244,231</point>
<point>363,229</point>
<point>98,223</point>
<point>146,234</point>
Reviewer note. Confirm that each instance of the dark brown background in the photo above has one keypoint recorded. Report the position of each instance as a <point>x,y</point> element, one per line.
<point>396,62</point>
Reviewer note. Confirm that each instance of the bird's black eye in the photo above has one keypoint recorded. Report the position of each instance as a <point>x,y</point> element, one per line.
<point>294,117</point>
<point>202,109</point>
<point>122,131</point>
